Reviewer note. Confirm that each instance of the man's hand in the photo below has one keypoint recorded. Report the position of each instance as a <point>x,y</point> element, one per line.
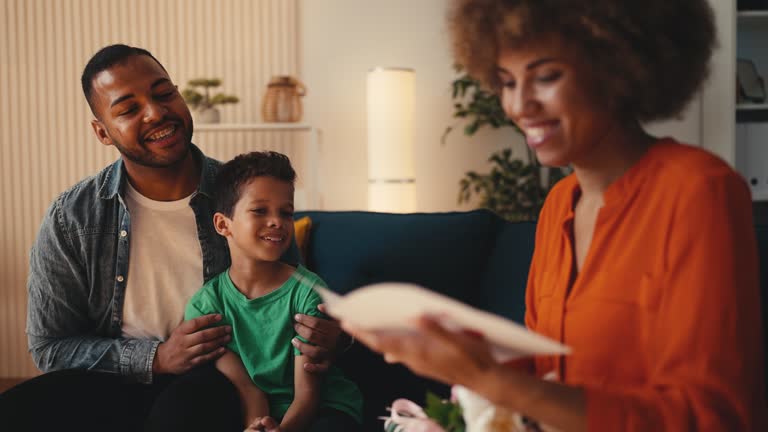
<point>323,336</point>
<point>191,344</point>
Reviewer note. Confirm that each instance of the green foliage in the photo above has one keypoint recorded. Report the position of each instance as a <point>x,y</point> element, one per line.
<point>204,82</point>
<point>445,413</point>
<point>476,105</point>
<point>196,99</point>
<point>514,189</point>
<point>221,99</point>
<point>192,97</point>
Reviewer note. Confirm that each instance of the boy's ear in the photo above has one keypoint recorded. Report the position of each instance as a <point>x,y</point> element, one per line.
<point>221,223</point>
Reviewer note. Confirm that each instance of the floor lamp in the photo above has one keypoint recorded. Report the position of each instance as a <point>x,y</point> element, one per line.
<point>391,176</point>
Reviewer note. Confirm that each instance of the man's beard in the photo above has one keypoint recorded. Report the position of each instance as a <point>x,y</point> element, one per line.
<point>145,157</point>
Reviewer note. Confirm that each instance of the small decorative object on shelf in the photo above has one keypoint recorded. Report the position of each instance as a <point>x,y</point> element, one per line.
<point>282,100</point>
<point>751,87</point>
<point>203,104</point>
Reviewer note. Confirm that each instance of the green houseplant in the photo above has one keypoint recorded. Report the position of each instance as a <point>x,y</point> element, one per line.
<point>514,189</point>
<point>202,103</point>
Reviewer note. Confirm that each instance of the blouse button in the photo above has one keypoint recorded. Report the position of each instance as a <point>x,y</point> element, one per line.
<point>120,278</point>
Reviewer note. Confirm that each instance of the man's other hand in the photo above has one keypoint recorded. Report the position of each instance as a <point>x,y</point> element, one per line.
<point>191,344</point>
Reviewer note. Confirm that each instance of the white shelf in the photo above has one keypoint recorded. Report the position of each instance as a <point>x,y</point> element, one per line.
<point>759,194</point>
<point>252,127</point>
<point>749,14</point>
<point>751,106</point>
<point>310,197</point>
<point>754,20</point>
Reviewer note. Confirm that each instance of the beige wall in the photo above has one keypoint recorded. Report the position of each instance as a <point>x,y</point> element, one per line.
<point>46,143</point>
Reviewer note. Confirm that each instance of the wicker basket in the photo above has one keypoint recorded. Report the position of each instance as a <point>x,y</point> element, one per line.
<point>282,100</point>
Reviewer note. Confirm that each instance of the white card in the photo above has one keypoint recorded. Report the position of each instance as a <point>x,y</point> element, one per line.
<point>395,306</point>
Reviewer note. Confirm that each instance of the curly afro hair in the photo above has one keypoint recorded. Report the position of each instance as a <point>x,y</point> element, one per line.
<point>649,57</point>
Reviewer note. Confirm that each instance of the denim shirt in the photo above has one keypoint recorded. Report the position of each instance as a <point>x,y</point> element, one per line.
<point>78,272</point>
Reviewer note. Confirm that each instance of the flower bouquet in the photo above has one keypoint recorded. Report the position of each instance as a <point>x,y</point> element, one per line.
<point>439,415</point>
<point>464,412</point>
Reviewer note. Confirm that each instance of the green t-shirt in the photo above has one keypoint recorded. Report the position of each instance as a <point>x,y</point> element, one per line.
<point>262,329</point>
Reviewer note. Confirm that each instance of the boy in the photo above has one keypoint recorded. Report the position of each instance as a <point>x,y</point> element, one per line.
<point>258,295</point>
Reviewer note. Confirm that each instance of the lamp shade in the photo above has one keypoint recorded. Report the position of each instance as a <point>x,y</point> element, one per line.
<point>391,109</point>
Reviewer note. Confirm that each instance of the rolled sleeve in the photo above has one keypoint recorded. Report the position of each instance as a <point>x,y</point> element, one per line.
<point>136,359</point>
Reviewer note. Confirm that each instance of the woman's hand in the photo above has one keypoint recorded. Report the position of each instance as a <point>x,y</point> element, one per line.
<point>450,356</point>
<point>464,357</point>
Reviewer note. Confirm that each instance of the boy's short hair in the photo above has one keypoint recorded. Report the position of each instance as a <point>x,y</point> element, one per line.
<point>238,172</point>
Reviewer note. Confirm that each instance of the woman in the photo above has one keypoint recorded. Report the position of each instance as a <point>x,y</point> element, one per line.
<point>645,261</point>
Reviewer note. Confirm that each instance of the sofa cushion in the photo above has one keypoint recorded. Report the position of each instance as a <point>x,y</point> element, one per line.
<point>503,287</point>
<point>302,228</point>
<point>445,252</point>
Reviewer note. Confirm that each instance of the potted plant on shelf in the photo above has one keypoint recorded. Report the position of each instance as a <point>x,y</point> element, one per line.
<point>202,103</point>
<point>514,189</point>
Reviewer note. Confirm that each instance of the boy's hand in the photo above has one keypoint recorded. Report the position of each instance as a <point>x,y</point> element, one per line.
<point>266,424</point>
<point>323,336</point>
<point>191,344</point>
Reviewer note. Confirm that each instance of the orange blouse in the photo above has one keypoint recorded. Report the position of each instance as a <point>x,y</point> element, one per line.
<point>664,316</point>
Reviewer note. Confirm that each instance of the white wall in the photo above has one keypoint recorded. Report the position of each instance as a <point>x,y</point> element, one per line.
<point>719,104</point>
<point>341,41</point>
<point>685,129</point>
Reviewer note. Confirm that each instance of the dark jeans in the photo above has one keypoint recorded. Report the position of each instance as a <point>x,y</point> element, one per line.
<point>331,420</point>
<point>80,400</point>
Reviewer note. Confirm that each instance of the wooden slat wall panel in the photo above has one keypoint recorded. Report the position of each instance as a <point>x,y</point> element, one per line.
<point>46,143</point>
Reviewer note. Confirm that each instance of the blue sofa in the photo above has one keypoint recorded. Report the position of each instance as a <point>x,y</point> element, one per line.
<point>475,257</point>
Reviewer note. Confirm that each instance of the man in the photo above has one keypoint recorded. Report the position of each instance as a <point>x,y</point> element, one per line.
<point>115,261</point>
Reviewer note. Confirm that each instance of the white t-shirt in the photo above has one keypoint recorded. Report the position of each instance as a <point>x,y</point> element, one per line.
<point>165,266</point>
